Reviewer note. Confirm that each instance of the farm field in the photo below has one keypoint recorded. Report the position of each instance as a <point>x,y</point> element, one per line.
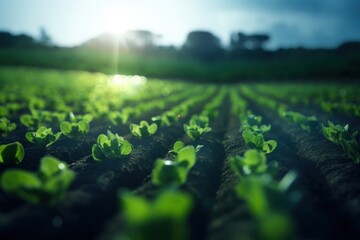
<point>92,156</point>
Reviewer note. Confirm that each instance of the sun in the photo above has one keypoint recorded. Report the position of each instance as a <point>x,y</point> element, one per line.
<point>119,21</point>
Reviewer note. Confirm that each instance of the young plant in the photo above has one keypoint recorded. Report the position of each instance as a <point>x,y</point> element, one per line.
<point>256,140</point>
<point>253,162</point>
<point>268,202</point>
<point>45,187</point>
<point>176,147</point>
<point>116,117</point>
<point>308,123</point>
<point>30,121</point>
<point>165,119</point>
<point>43,137</point>
<point>12,153</point>
<point>157,219</point>
<point>143,129</point>
<point>77,127</point>
<point>198,126</point>
<point>110,146</point>
<point>73,130</point>
<point>174,171</point>
<point>6,126</point>
<point>340,136</point>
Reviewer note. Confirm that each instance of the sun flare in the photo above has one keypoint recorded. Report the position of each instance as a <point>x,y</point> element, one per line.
<point>118,21</point>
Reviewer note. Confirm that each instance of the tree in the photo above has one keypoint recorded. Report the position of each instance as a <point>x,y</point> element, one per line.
<point>45,39</point>
<point>140,39</point>
<point>241,41</point>
<point>203,45</point>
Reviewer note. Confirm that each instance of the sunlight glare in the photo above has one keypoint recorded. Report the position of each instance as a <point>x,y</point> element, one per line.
<point>119,21</point>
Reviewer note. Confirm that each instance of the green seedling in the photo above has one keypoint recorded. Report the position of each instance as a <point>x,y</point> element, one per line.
<point>30,121</point>
<point>340,136</point>
<point>176,147</point>
<point>43,137</point>
<point>143,129</point>
<point>165,119</point>
<point>110,146</point>
<point>77,126</point>
<point>252,119</point>
<point>197,127</point>
<point>256,140</point>
<point>174,171</point>
<point>118,117</point>
<point>253,162</point>
<point>269,204</point>
<point>6,126</point>
<point>164,217</point>
<point>45,187</point>
<point>86,118</point>
<point>74,130</point>
<point>308,123</point>
<point>12,153</point>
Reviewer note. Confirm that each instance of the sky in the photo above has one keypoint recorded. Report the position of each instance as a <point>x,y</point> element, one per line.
<point>290,23</point>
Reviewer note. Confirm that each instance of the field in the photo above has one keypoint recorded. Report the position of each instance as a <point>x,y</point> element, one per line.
<point>92,156</point>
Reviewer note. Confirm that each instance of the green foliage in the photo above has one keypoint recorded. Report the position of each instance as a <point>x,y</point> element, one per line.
<point>143,129</point>
<point>74,129</point>
<point>43,137</point>
<point>163,218</point>
<point>78,118</point>
<point>177,146</point>
<point>116,117</point>
<point>40,118</point>
<point>77,127</point>
<point>12,153</point>
<point>165,119</point>
<point>175,171</point>
<point>197,127</point>
<point>340,135</point>
<point>29,121</point>
<point>45,187</point>
<point>256,140</point>
<point>253,162</point>
<point>308,123</point>
<point>110,146</point>
<point>267,202</point>
<point>6,126</point>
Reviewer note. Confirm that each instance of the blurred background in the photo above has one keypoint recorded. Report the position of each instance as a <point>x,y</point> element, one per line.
<point>211,41</point>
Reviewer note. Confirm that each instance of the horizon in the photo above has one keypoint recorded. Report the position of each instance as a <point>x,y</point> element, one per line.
<point>295,23</point>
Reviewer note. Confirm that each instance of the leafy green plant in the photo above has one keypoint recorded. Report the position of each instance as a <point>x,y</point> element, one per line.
<point>198,126</point>
<point>308,123</point>
<point>74,129</point>
<point>11,153</point>
<point>45,187</point>
<point>6,126</point>
<point>143,129</point>
<point>253,162</point>
<point>165,119</point>
<point>252,119</point>
<point>174,171</point>
<point>340,136</point>
<point>77,127</point>
<point>43,137</point>
<point>268,203</point>
<point>30,121</point>
<point>116,117</point>
<point>176,147</point>
<point>110,146</point>
<point>157,219</point>
<point>256,140</point>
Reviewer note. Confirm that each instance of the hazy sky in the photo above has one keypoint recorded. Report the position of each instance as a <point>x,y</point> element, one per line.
<point>311,23</point>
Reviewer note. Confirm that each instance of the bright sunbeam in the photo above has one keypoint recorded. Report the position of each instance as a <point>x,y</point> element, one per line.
<point>119,21</point>
<point>125,81</point>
